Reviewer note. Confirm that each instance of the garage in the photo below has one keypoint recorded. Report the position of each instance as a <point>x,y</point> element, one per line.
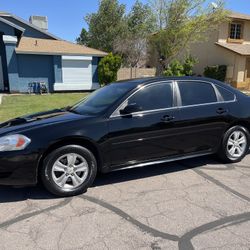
<point>76,73</point>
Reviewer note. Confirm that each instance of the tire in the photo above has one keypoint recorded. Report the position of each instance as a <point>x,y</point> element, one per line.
<point>69,170</point>
<point>233,150</point>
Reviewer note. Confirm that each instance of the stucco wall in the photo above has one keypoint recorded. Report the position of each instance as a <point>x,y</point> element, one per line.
<point>35,68</point>
<point>240,66</point>
<point>209,54</point>
<point>224,32</point>
<point>246,32</point>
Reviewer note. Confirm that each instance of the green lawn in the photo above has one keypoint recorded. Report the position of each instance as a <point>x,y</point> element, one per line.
<point>16,105</point>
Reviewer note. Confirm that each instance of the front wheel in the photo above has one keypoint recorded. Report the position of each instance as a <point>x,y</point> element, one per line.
<point>235,145</point>
<point>69,170</point>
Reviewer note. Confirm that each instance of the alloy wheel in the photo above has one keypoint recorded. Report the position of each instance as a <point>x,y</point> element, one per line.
<point>70,171</point>
<point>236,144</point>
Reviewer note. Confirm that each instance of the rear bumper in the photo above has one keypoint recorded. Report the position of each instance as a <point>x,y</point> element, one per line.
<point>18,168</point>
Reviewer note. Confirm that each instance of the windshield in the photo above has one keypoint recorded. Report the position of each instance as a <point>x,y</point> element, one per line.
<point>101,99</point>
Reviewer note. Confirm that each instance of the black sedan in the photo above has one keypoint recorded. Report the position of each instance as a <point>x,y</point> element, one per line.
<point>125,124</point>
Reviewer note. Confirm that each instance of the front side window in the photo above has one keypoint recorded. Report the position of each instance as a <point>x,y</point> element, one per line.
<point>102,99</point>
<point>236,31</point>
<point>193,93</point>
<point>158,96</point>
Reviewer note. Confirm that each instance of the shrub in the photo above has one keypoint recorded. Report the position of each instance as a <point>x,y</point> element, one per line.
<point>177,68</point>
<point>217,72</point>
<point>188,65</point>
<point>108,68</point>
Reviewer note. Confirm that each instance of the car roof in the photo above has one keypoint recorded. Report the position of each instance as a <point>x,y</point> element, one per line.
<point>148,80</point>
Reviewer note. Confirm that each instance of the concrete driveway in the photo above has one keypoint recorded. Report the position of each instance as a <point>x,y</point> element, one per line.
<point>191,204</point>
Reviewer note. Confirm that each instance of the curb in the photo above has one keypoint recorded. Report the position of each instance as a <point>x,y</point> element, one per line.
<point>1,97</point>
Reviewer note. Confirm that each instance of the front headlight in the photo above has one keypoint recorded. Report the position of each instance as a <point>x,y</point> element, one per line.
<point>13,142</point>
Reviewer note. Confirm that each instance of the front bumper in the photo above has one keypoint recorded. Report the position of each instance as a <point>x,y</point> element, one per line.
<point>18,168</point>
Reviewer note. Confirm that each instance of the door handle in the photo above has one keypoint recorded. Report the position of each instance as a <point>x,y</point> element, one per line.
<point>167,118</point>
<point>221,111</point>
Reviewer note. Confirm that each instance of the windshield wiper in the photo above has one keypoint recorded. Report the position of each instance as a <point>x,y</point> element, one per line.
<point>69,109</point>
<point>66,108</point>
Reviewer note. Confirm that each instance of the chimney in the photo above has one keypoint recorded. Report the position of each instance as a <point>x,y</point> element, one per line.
<point>40,22</point>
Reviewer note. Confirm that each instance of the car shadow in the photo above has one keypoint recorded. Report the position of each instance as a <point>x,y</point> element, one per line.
<point>14,194</point>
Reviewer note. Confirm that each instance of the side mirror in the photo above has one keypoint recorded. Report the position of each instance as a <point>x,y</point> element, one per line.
<point>131,108</point>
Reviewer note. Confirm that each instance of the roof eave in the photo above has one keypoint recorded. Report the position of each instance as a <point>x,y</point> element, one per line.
<point>33,26</point>
<point>236,52</point>
<point>12,24</point>
<point>56,53</point>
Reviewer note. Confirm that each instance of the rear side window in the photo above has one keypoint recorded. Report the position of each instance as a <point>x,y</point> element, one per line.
<point>193,93</point>
<point>226,94</point>
<point>158,96</point>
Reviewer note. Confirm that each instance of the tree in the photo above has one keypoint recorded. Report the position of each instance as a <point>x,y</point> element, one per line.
<point>83,39</point>
<point>182,22</point>
<point>108,68</point>
<point>106,25</point>
<point>141,20</point>
<point>159,8</point>
<point>132,44</point>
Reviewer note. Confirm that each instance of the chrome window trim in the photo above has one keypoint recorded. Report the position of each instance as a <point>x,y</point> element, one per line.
<point>146,111</point>
<point>204,104</point>
<point>175,87</point>
<point>222,87</point>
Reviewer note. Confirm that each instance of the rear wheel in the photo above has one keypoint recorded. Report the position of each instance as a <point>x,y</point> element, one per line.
<point>235,145</point>
<point>69,170</point>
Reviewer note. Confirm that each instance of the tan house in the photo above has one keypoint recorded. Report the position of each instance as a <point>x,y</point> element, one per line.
<point>230,46</point>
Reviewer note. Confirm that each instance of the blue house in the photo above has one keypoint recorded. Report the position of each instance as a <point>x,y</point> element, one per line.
<point>29,53</point>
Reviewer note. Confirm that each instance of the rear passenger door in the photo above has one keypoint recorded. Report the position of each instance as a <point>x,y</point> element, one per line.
<point>203,116</point>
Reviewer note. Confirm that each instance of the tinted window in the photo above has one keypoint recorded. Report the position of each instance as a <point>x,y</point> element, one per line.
<point>153,97</point>
<point>226,95</point>
<point>102,98</point>
<point>196,93</point>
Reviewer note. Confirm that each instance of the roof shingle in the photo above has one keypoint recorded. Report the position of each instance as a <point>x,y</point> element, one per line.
<point>242,49</point>
<point>238,15</point>
<point>29,45</point>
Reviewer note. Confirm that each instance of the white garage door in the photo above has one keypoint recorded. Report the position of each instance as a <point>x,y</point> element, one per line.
<point>76,73</point>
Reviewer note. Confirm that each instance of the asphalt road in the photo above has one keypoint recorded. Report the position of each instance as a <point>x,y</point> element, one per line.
<point>191,204</point>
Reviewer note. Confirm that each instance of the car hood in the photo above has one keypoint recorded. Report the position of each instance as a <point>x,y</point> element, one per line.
<point>38,119</point>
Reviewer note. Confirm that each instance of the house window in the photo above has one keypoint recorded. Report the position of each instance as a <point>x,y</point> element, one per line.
<point>236,31</point>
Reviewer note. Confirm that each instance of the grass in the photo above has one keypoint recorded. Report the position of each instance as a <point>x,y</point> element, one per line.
<point>17,105</point>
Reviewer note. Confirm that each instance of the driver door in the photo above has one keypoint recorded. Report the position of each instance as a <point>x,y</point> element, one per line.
<point>149,133</point>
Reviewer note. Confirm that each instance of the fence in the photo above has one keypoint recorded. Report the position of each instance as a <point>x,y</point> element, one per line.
<point>131,73</point>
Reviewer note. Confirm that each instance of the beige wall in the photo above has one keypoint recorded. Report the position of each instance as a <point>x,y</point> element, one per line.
<point>223,32</point>
<point>209,54</point>
<point>240,68</point>
<point>246,34</point>
<point>126,73</point>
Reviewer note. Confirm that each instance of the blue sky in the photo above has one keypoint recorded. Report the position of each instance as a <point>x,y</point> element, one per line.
<point>66,17</point>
